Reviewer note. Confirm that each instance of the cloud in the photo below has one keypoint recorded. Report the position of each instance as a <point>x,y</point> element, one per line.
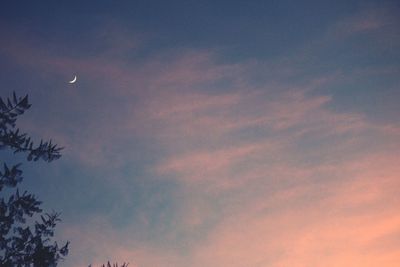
<point>352,221</point>
<point>332,225</point>
<point>268,178</point>
<point>368,20</point>
<point>265,173</point>
<point>96,243</point>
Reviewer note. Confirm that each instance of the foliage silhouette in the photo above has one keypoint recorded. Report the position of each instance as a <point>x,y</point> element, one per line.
<point>114,265</point>
<point>24,243</point>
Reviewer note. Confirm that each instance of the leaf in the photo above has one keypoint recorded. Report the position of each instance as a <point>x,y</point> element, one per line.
<point>9,103</point>
<point>2,104</point>
<point>15,98</point>
<point>24,102</point>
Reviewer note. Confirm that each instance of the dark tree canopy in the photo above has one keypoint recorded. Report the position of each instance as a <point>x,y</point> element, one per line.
<point>24,242</point>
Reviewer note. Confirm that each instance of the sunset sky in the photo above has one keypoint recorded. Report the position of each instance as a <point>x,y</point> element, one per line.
<point>213,133</point>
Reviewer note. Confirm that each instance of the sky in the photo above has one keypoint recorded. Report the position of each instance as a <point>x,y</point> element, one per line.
<point>213,133</point>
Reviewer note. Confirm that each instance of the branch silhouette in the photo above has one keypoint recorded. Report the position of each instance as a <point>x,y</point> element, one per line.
<point>23,243</point>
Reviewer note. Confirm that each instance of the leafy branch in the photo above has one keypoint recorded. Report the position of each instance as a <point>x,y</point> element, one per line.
<point>20,142</point>
<point>19,245</point>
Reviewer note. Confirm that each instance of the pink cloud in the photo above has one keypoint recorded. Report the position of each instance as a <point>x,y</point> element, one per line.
<point>346,223</point>
<point>366,21</point>
<point>320,230</point>
<point>242,157</point>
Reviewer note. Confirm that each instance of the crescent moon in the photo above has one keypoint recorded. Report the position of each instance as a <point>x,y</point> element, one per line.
<point>73,80</point>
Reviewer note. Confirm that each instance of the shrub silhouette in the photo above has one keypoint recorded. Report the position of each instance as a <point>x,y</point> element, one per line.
<point>114,265</point>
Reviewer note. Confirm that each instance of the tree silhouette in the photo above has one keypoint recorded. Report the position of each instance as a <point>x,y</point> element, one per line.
<point>114,265</point>
<point>23,241</point>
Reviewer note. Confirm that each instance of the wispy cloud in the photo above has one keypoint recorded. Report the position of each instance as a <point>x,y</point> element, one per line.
<point>266,173</point>
<point>367,20</point>
<point>268,177</point>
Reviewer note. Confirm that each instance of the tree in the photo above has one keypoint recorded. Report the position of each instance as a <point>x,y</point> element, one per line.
<point>25,231</point>
<point>114,265</point>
